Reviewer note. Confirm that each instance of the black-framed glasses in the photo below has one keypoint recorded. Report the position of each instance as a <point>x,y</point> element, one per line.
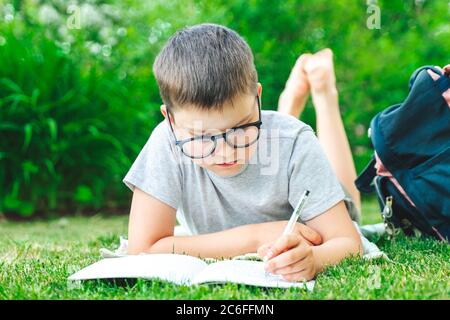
<point>242,136</point>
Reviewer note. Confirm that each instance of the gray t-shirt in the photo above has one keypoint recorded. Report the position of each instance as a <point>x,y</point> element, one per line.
<point>288,160</point>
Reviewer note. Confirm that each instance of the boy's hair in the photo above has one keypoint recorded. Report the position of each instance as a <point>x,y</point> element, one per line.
<point>204,66</point>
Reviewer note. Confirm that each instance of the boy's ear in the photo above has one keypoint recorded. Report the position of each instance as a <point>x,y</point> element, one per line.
<point>163,110</point>
<point>259,89</point>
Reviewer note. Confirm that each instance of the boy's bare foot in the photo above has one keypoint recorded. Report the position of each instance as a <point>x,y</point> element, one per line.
<point>293,98</point>
<point>297,82</point>
<point>319,69</point>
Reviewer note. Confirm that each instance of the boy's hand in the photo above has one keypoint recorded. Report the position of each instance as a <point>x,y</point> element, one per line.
<point>291,257</point>
<point>319,69</point>
<point>269,232</point>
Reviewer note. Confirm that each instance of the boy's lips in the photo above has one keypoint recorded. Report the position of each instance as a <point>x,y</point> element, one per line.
<point>226,164</point>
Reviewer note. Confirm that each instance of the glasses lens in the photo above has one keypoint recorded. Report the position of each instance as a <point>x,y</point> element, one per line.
<point>198,148</point>
<point>243,137</point>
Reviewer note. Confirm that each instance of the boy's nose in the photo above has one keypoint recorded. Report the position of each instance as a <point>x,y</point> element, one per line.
<point>224,151</point>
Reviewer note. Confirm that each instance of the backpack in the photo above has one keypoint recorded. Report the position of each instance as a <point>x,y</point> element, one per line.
<point>410,168</point>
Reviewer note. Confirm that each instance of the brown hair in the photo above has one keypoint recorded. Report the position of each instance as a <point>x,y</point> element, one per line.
<point>204,66</point>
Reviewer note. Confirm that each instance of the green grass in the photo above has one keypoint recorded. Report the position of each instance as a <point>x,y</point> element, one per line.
<point>37,257</point>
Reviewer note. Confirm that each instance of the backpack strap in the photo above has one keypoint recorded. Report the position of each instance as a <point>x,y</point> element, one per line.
<point>416,73</point>
<point>443,83</point>
<point>364,180</point>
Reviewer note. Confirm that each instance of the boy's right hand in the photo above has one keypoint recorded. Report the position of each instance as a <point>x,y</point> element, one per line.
<point>268,232</point>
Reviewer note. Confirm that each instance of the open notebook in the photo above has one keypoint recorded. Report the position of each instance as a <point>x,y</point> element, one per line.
<point>187,270</point>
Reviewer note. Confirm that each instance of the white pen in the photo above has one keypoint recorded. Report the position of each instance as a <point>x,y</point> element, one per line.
<point>295,215</point>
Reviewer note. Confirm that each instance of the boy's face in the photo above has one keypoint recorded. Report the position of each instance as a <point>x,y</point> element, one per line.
<point>225,160</point>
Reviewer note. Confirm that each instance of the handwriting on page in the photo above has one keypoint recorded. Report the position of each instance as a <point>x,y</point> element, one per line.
<point>256,270</point>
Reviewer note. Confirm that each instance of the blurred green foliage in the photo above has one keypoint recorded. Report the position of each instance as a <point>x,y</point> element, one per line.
<point>78,99</point>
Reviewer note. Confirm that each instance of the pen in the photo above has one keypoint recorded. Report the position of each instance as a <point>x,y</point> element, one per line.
<point>295,215</point>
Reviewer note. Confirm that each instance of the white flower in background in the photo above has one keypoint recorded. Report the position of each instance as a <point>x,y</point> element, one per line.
<point>49,15</point>
<point>318,33</point>
<point>111,11</point>
<point>158,30</point>
<point>442,30</point>
<point>8,12</point>
<point>107,36</point>
<point>122,32</point>
<point>419,3</point>
<point>112,41</point>
<point>152,39</point>
<point>65,34</point>
<point>94,47</point>
<point>105,33</point>
<point>65,46</point>
<point>91,16</point>
<point>163,25</point>
<point>101,24</point>
<point>106,50</point>
<point>61,3</point>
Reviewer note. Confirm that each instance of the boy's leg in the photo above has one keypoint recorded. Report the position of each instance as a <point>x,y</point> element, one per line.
<point>330,128</point>
<point>333,138</point>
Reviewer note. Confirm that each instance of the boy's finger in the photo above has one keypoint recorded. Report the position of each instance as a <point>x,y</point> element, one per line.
<point>297,266</point>
<point>262,250</point>
<point>303,275</point>
<point>309,234</point>
<point>295,255</point>
<point>282,244</point>
<point>291,268</point>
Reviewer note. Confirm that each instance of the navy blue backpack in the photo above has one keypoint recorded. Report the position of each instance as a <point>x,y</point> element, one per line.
<point>412,140</point>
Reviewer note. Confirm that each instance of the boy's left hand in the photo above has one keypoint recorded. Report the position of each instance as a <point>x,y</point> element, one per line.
<point>291,257</point>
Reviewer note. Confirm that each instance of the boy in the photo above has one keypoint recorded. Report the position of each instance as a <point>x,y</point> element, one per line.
<point>204,165</point>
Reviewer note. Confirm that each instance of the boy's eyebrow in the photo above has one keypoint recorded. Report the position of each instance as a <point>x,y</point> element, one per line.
<point>243,121</point>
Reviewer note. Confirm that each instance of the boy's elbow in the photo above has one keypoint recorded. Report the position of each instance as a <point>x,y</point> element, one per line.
<point>158,245</point>
<point>358,249</point>
<point>354,245</point>
<point>137,250</point>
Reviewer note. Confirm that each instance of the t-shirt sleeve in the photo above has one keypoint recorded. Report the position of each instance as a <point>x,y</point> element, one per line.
<point>156,169</point>
<point>309,169</point>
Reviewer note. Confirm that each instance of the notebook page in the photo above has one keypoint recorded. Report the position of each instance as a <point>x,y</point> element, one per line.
<point>245,272</point>
<point>179,269</point>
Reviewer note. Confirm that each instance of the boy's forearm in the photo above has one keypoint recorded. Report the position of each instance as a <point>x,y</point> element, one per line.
<point>334,250</point>
<point>223,244</point>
